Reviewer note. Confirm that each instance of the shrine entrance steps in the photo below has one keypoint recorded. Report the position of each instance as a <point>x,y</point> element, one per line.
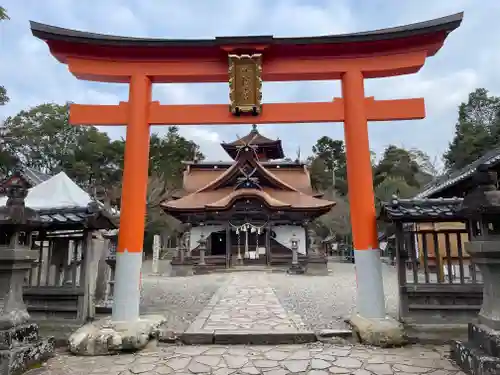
<point>246,310</point>
<point>252,268</point>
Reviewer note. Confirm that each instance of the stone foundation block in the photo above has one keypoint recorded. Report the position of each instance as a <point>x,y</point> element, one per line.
<point>18,335</point>
<point>474,361</point>
<point>485,338</point>
<point>20,358</point>
<point>384,332</point>
<point>480,355</point>
<point>105,337</point>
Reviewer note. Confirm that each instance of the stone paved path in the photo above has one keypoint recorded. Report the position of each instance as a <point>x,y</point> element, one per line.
<point>246,304</point>
<point>313,359</point>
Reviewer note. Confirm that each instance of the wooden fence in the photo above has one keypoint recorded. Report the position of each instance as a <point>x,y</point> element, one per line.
<point>437,281</point>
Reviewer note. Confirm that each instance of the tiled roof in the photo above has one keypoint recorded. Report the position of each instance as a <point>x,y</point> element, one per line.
<point>91,218</point>
<point>217,190</point>
<point>274,147</point>
<point>58,201</point>
<point>491,159</point>
<point>421,209</point>
<point>224,197</point>
<point>254,137</point>
<point>33,176</point>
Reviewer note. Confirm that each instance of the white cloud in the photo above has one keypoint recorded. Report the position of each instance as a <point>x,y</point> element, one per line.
<point>470,58</point>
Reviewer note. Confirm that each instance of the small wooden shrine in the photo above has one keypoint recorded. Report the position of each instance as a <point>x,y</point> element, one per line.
<point>66,238</point>
<point>248,210</point>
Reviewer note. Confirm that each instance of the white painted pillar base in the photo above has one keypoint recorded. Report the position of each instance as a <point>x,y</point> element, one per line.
<point>370,300</point>
<point>127,292</point>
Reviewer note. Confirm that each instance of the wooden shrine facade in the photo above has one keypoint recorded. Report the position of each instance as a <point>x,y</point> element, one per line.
<point>248,205</point>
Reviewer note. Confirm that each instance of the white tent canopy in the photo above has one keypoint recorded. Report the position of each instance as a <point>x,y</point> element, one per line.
<point>57,192</point>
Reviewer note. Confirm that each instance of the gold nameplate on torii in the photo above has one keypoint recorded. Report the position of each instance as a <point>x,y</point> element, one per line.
<point>245,84</point>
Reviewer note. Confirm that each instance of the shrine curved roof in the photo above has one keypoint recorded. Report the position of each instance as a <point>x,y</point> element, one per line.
<point>69,40</point>
<point>272,148</point>
<point>299,179</point>
<point>222,199</point>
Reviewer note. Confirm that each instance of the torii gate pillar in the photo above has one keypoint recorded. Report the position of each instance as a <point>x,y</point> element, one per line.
<point>133,207</point>
<point>370,291</point>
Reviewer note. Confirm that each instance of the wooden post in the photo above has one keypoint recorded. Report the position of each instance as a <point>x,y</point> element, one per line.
<point>228,246</point>
<point>86,306</point>
<point>268,244</point>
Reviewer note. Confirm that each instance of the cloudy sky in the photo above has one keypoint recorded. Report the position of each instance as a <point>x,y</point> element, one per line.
<point>469,59</point>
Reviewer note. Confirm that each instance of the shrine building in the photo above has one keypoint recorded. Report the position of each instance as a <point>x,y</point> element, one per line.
<point>248,210</point>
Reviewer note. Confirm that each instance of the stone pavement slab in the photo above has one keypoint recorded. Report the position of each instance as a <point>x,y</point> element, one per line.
<point>246,304</point>
<point>314,359</point>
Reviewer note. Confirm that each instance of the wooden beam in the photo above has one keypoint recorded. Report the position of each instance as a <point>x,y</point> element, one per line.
<point>273,68</point>
<point>272,113</point>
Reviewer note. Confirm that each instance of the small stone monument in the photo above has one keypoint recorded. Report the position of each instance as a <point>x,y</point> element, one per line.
<point>295,268</point>
<point>20,345</point>
<point>156,254</point>
<point>480,355</point>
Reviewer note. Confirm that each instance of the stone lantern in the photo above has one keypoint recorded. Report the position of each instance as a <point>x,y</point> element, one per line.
<point>20,345</point>
<point>295,268</point>
<point>481,207</point>
<point>202,247</point>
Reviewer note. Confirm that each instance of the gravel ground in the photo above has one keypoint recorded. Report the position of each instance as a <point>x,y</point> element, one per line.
<point>321,301</point>
<point>325,301</point>
<point>180,299</point>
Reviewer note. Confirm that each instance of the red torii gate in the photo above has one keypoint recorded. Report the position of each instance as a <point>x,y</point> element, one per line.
<point>350,58</point>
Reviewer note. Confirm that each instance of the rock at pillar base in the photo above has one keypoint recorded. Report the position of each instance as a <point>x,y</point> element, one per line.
<point>384,332</point>
<point>296,269</point>
<point>105,337</point>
